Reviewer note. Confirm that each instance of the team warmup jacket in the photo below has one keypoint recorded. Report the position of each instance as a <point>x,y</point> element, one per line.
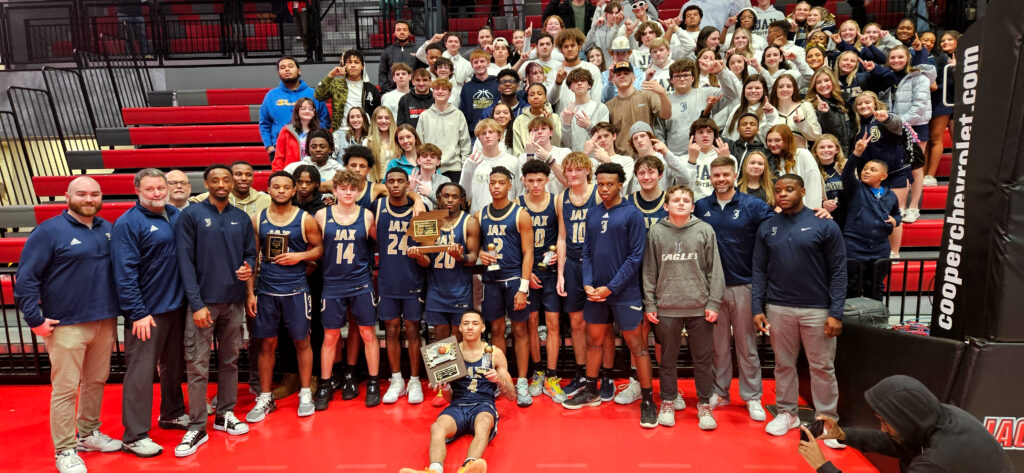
<point>865,227</point>
<point>211,247</point>
<point>734,228</point>
<point>613,250</point>
<point>799,261</point>
<point>145,258</point>
<point>65,273</point>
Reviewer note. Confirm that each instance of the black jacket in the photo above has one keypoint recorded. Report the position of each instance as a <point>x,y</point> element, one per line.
<point>393,54</point>
<point>563,9</point>
<point>411,105</point>
<point>740,149</point>
<point>936,437</point>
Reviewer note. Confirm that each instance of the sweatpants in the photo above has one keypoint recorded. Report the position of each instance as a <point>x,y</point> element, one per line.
<point>791,327</point>
<point>735,314</point>
<point>700,338</point>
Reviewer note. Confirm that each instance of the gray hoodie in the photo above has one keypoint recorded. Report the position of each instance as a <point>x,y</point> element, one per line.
<point>682,272</point>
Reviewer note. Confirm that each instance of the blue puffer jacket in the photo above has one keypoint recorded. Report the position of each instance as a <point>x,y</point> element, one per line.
<point>912,99</point>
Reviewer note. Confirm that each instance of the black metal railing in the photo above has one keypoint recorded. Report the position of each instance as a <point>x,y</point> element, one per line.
<point>36,115</point>
<point>17,174</point>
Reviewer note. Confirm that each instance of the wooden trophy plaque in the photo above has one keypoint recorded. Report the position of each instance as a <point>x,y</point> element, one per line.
<point>444,361</point>
<point>276,245</point>
<point>425,229</point>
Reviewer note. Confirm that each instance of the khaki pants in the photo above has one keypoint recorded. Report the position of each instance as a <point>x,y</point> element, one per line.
<point>79,367</point>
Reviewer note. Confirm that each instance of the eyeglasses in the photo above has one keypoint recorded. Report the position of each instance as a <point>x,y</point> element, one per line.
<point>639,5</point>
<point>508,81</point>
<point>177,183</point>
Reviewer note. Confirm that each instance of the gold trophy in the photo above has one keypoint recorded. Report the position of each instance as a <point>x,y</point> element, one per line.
<point>485,361</point>
<point>494,266</point>
<point>548,256</point>
<point>425,228</point>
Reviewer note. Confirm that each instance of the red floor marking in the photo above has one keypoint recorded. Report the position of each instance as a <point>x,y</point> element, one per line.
<point>350,438</point>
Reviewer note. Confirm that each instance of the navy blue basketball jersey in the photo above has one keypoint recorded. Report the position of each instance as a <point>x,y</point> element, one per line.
<point>575,219</point>
<point>545,226</point>
<point>279,279</point>
<point>475,388</point>
<point>653,210</point>
<point>449,282</point>
<point>500,228</point>
<point>365,200</point>
<point>347,256</point>
<point>399,277</point>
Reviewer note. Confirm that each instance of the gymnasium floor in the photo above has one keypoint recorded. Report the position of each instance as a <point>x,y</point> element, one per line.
<point>350,438</point>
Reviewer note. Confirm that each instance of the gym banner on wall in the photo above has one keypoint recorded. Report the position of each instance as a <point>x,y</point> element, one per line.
<point>979,271</point>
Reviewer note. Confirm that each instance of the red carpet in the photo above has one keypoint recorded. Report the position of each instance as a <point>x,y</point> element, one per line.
<point>350,438</point>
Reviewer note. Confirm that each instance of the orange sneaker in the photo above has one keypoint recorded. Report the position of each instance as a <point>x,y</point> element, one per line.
<point>410,470</point>
<point>475,466</point>
<point>442,398</point>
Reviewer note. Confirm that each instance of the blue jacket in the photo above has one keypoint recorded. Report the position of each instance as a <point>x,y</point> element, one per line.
<point>887,143</point>
<point>211,247</point>
<point>277,107</point>
<point>735,227</point>
<point>65,273</point>
<point>146,262</point>
<point>476,96</point>
<point>613,250</point>
<point>799,261</point>
<point>864,223</point>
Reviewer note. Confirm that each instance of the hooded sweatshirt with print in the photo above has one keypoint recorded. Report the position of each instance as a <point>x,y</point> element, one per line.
<point>682,271</point>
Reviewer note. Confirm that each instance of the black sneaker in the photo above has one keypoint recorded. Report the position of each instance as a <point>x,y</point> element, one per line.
<point>372,393</point>
<point>323,395</point>
<point>576,386</point>
<point>177,423</point>
<point>648,414</point>
<point>349,387</point>
<point>607,389</point>
<point>227,422</point>
<point>584,398</point>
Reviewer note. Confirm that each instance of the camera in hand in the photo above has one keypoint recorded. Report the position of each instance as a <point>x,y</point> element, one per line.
<point>817,428</point>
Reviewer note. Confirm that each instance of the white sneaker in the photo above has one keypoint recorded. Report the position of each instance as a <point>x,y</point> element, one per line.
<point>395,390</point>
<point>717,401</point>
<point>68,461</point>
<point>523,397</point>
<point>755,410</point>
<point>190,443</point>
<point>706,419</point>
<point>537,383</point>
<point>911,215</point>
<point>98,442</point>
<point>629,394</point>
<point>264,405</point>
<point>143,448</point>
<point>667,415</point>
<point>415,390</point>
<point>678,403</point>
<point>782,423</point>
<point>930,181</point>
<point>834,444</point>
<point>306,405</point>
<point>894,255</point>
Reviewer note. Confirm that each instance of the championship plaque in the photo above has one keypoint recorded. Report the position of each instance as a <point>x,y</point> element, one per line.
<point>425,229</point>
<point>444,361</point>
<point>276,245</point>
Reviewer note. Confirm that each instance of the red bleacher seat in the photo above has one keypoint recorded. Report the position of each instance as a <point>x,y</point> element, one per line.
<point>191,115</point>
<point>201,30</point>
<point>934,198</point>
<point>110,212</point>
<point>174,135</point>
<point>915,276</point>
<point>7,289</point>
<point>256,43</point>
<point>235,96</point>
<point>947,140</point>
<point>10,249</point>
<point>922,234</point>
<point>166,158</point>
<point>194,45</point>
<point>945,166</point>
<point>112,184</point>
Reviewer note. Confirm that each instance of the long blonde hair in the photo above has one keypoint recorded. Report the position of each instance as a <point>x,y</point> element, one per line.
<point>765,181</point>
<point>383,147</point>
<point>837,96</point>
<point>839,160</point>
